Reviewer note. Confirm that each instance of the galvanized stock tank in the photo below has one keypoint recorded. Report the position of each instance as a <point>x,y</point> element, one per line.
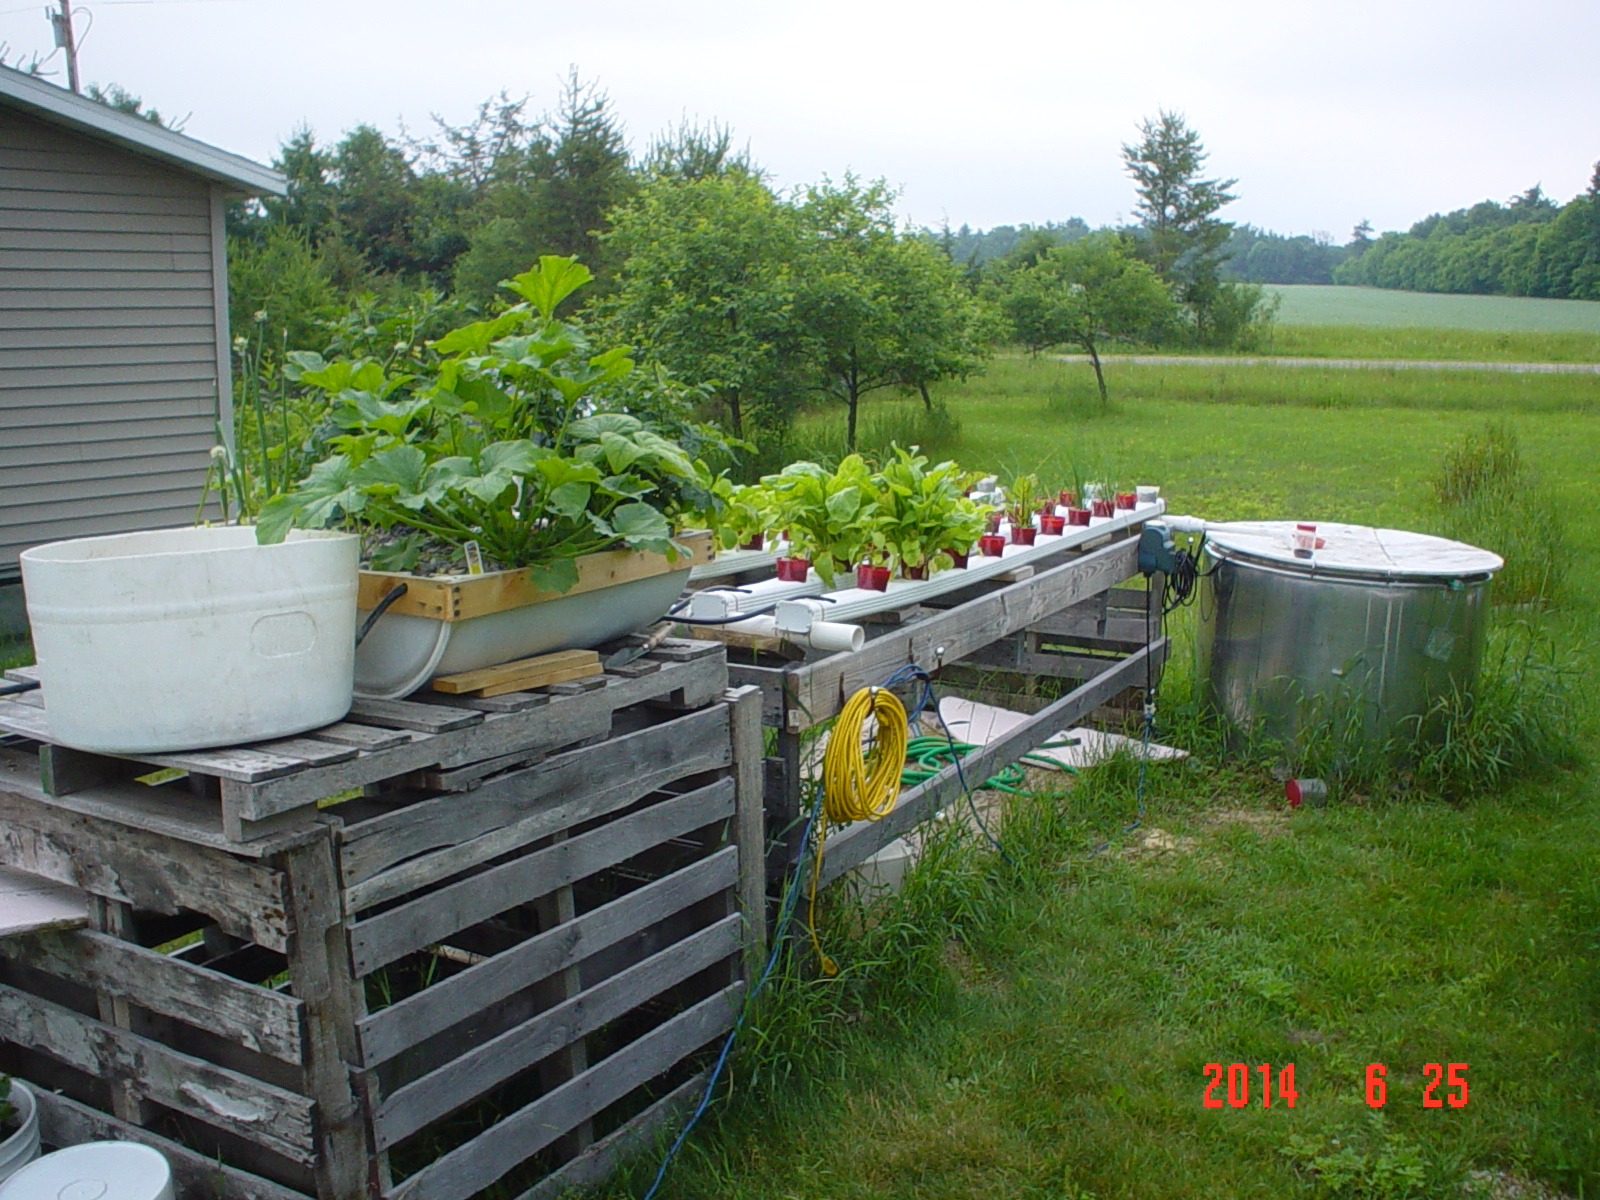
<point>1375,621</point>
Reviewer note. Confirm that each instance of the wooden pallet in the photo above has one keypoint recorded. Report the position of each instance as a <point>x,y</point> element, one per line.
<point>547,948</point>
<point>268,787</point>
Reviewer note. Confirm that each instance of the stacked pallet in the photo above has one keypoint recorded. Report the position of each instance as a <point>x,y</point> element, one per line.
<point>497,957</point>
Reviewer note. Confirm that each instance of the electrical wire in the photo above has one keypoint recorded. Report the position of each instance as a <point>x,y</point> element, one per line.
<point>785,912</point>
<point>872,772</point>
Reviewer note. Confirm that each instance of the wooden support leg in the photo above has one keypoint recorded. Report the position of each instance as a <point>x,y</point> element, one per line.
<point>115,919</point>
<point>573,1059</point>
<point>320,973</point>
<point>749,822</point>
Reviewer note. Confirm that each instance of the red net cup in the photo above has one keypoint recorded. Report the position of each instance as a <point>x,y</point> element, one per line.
<point>793,570</point>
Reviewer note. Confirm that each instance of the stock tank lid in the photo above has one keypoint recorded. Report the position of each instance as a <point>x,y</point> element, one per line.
<point>1354,551</point>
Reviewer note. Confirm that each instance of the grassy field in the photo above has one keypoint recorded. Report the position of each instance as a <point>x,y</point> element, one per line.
<point>1042,1028</point>
<point>1315,304</point>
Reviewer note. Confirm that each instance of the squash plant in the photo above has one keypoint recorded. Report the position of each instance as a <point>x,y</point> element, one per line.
<point>505,443</point>
<point>829,515</point>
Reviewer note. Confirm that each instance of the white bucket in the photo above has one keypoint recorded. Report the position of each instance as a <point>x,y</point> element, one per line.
<point>94,1171</point>
<point>21,1146</point>
<point>186,638</point>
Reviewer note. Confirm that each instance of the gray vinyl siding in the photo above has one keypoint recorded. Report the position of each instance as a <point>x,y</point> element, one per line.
<point>109,336</point>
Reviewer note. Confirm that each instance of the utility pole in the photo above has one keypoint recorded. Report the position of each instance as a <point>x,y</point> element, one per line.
<point>62,24</point>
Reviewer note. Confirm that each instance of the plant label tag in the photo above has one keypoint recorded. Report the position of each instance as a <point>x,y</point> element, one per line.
<point>474,558</point>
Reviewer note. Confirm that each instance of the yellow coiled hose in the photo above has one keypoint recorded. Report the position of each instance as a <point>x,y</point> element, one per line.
<point>860,776</point>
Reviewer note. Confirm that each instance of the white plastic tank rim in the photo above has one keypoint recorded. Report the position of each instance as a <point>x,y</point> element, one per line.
<point>94,1171</point>
<point>1354,552</point>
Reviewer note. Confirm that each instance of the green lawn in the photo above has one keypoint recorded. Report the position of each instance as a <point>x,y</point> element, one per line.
<point>1318,304</point>
<point>1041,1029</point>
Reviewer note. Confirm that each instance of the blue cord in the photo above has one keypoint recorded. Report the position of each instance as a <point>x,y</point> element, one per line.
<point>785,911</point>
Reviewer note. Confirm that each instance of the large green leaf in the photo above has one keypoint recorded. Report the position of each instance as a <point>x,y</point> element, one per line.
<point>519,457</point>
<point>621,452</point>
<point>569,500</point>
<point>551,282</point>
<point>558,576</point>
<point>639,525</point>
<point>587,429</point>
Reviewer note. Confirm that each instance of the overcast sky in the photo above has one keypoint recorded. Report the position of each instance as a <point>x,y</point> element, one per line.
<point>990,113</point>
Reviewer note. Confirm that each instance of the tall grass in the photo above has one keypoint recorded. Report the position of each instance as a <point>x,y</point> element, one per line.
<point>820,437</point>
<point>1488,497</point>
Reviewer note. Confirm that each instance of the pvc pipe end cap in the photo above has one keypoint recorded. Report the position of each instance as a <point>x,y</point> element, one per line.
<point>93,1171</point>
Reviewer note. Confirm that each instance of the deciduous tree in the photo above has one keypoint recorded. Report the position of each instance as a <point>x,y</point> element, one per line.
<point>1086,293</point>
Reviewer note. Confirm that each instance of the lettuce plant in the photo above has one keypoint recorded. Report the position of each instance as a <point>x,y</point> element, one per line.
<point>829,515</point>
<point>505,442</point>
<point>921,510</point>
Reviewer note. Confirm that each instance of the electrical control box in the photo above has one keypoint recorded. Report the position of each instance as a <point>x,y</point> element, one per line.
<point>1156,551</point>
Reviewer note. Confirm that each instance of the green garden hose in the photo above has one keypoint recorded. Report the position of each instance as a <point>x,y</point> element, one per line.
<point>930,754</point>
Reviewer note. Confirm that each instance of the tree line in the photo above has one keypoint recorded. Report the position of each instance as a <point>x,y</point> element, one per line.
<point>761,303</point>
<point>1528,246</point>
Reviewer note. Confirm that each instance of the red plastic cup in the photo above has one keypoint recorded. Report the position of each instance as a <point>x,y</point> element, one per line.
<point>1067,497</point>
<point>994,519</point>
<point>1077,516</point>
<point>1023,535</point>
<point>754,543</point>
<point>873,578</point>
<point>1102,508</point>
<point>915,572</point>
<point>1050,523</point>
<point>793,570</point>
<point>990,545</point>
<point>1126,500</point>
<point>958,557</point>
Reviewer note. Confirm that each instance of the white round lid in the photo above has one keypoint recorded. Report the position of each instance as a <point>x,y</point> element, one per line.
<point>93,1171</point>
<point>1355,550</point>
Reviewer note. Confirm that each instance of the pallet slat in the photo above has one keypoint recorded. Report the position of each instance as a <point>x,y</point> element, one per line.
<point>362,737</point>
<point>394,1030</point>
<point>390,854</point>
<point>490,1063</point>
<point>267,1115</point>
<point>140,867</point>
<point>398,931</point>
<point>407,714</point>
<point>471,1168</point>
<point>259,1019</point>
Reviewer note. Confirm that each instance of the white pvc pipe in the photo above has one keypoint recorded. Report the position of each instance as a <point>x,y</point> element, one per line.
<point>822,635</point>
<point>717,604</point>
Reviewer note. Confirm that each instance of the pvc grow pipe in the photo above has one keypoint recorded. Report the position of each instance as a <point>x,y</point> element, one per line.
<point>718,604</point>
<point>832,636</point>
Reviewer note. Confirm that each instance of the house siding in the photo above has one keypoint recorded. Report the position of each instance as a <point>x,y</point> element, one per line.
<point>109,338</point>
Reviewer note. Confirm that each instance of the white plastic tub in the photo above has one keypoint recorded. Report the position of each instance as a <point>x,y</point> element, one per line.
<point>186,638</point>
<point>94,1171</point>
<point>20,1145</point>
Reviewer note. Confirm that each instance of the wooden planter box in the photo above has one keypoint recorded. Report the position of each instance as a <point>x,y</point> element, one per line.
<point>459,597</point>
<point>502,963</point>
<point>446,625</point>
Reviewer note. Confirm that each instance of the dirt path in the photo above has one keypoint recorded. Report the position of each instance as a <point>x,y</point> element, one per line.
<point>1343,364</point>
